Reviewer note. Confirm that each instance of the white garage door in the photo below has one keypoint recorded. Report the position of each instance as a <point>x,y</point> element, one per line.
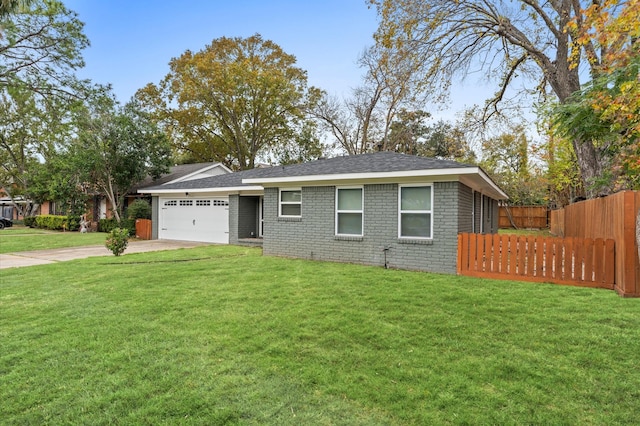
<point>194,219</point>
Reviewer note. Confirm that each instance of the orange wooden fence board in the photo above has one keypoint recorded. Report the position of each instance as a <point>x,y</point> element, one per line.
<point>574,261</point>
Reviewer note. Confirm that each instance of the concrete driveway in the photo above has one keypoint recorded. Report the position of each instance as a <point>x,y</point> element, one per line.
<point>42,257</point>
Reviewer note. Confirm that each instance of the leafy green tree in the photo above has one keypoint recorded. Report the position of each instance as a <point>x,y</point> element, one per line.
<point>306,146</point>
<point>41,48</point>
<point>31,132</point>
<point>8,7</point>
<point>232,101</point>
<point>506,158</point>
<point>562,171</point>
<point>411,134</point>
<point>117,148</point>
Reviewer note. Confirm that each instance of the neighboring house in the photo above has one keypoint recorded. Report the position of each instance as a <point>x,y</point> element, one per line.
<point>385,209</point>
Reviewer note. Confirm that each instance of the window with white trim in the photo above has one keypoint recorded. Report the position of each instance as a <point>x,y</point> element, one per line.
<point>290,203</point>
<point>349,211</point>
<point>415,216</point>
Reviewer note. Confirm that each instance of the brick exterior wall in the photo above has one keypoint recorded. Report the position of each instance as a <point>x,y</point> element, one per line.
<point>234,205</point>
<point>465,209</point>
<point>155,217</point>
<point>313,235</point>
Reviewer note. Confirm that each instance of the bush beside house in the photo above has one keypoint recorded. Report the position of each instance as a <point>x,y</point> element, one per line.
<point>55,222</point>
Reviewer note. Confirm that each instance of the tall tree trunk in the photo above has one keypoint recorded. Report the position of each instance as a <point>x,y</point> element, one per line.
<point>590,166</point>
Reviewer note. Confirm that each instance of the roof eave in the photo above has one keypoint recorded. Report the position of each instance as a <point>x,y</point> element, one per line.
<point>359,176</point>
<point>456,173</point>
<point>223,189</point>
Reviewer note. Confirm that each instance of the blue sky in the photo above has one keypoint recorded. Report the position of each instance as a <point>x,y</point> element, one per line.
<point>133,41</point>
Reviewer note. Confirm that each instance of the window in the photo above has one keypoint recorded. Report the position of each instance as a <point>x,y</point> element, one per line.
<point>171,203</point>
<point>416,218</point>
<point>203,203</point>
<point>186,203</point>
<point>290,203</point>
<point>349,211</point>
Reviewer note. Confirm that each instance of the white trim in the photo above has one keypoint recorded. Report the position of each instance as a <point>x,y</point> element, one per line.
<point>473,211</point>
<point>221,190</point>
<point>199,171</point>
<point>361,211</point>
<point>376,175</point>
<point>429,212</point>
<point>290,203</point>
<point>431,174</point>
<point>261,216</point>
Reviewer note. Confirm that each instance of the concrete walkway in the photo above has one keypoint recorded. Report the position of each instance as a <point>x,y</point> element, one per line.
<point>42,257</point>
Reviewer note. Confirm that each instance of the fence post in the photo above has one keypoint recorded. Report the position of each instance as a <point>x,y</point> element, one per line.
<point>629,281</point>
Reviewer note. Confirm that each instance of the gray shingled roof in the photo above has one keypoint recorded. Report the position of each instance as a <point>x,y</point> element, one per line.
<point>230,180</point>
<point>378,162</point>
<point>175,172</point>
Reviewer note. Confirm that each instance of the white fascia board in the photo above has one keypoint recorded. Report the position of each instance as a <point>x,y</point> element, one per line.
<point>224,190</point>
<point>363,176</point>
<point>492,184</point>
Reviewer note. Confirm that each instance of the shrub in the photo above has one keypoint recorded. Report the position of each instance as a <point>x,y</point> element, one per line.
<point>108,225</point>
<point>139,209</point>
<point>56,222</point>
<point>117,241</point>
<point>30,221</point>
<point>73,222</point>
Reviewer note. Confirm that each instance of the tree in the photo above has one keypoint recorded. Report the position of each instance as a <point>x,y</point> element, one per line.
<point>562,171</point>
<point>230,102</point>
<point>8,7</point>
<point>607,109</point>
<point>364,122</point>
<point>40,49</point>
<point>117,148</point>
<point>31,131</point>
<point>505,158</point>
<point>306,146</point>
<point>505,39</point>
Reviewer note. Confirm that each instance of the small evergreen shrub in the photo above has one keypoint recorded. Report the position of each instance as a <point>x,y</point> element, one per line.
<point>129,225</point>
<point>117,241</point>
<point>56,222</point>
<point>139,209</point>
<point>108,225</point>
<point>30,221</point>
<point>73,222</point>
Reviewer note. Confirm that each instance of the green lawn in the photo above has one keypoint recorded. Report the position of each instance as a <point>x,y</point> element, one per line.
<point>223,335</point>
<point>531,232</point>
<point>17,239</point>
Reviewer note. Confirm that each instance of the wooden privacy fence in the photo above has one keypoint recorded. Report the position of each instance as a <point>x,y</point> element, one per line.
<point>527,217</point>
<point>607,217</point>
<point>574,261</point>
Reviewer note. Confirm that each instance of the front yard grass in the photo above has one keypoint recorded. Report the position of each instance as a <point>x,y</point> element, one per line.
<point>18,239</point>
<point>223,335</point>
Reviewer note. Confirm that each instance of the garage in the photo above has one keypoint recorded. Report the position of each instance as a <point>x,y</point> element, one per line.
<point>194,219</point>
